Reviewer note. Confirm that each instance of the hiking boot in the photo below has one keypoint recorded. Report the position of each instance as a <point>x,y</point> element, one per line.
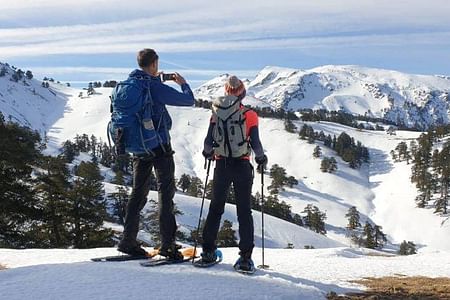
<point>171,252</point>
<point>208,256</point>
<point>132,249</point>
<point>245,264</point>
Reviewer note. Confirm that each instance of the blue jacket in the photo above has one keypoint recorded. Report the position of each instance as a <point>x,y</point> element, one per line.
<point>163,95</point>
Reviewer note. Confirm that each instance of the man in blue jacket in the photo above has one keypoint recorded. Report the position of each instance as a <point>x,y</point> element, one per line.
<point>161,159</point>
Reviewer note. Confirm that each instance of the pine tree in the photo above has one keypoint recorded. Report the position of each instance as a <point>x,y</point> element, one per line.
<point>407,248</point>
<point>379,237</point>
<point>3,71</point>
<point>289,125</point>
<point>51,189</point>
<point>195,188</point>
<point>69,151</point>
<point>353,218</point>
<point>150,221</point>
<point>325,164</point>
<point>226,235</point>
<point>420,170</point>
<point>29,74</point>
<point>333,165</point>
<point>444,171</point>
<point>303,132</point>
<point>184,182</point>
<point>199,238</point>
<point>231,198</point>
<point>328,141</point>
<point>314,219</point>
<point>368,235</point>
<point>317,152</point>
<point>88,208</point>
<point>19,151</point>
<point>120,199</point>
<point>318,221</point>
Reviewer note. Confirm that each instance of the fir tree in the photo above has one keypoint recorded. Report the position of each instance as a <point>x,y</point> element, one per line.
<point>88,208</point>
<point>19,151</point>
<point>379,237</point>
<point>226,235</point>
<point>314,219</point>
<point>120,199</point>
<point>52,185</point>
<point>317,152</point>
<point>407,248</point>
<point>368,235</point>
<point>150,221</point>
<point>198,237</point>
<point>325,164</point>
<point>29,74</point>
<point>69,151</point>
<point>289,125</point>
<point>195,188</point>
<point>184,182</point>
<point>353,218</point>
<point>3,71</point>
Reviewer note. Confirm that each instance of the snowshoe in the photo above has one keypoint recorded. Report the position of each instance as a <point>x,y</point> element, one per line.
<point>171,252</point>
<point>245,266</point>
<point>209,258</point>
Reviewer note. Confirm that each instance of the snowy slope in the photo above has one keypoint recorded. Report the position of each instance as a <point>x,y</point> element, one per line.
<point>293,274</point>
<point>30,104</point>
<point>371,189</point>
<point>278,233</point>
<point>412,100</point>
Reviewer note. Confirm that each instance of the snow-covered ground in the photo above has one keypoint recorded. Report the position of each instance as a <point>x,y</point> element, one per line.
<point>293,274</point>
<point>381,190</point>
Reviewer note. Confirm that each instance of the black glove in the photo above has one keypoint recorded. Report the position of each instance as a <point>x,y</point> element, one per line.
<point>262,163</point>
<point>208,155</point>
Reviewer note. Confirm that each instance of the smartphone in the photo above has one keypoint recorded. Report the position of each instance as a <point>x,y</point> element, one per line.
<point>168,76</point>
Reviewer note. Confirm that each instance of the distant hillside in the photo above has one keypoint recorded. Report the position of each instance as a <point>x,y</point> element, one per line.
<point>25,100</point>
<point>408,100</point>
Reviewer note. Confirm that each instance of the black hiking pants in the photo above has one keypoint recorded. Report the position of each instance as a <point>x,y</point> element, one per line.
<point>240,173</point>
<point>165,176</point>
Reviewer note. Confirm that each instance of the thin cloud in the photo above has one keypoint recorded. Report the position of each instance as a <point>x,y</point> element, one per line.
<point>374,40</point>
<point>125,71</point>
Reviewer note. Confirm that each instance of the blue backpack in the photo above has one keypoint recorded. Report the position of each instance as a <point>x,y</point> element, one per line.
<point>131,126</point>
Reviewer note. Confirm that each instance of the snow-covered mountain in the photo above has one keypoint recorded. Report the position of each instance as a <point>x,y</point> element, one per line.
<point>412,100</point>
<point>27,102</point>
<point>381,190</point>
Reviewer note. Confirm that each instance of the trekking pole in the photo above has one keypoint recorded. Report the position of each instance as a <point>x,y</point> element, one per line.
<point>262,266</point>
<point>201,209</point>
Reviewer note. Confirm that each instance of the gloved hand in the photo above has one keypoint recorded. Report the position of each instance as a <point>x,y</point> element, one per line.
<point>208,155</point>
<point>262,163</point>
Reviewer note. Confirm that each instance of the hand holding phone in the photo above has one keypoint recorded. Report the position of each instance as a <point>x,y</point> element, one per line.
<point>168,76</point>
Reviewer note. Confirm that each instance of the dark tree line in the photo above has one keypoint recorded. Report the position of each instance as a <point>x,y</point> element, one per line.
<point>430,168</point>
<point>342,117</point>
<point>345,146</point>
<point>369,236</point>
<point>263,112</point>
<point>47,210</point>
<point>100,151</point>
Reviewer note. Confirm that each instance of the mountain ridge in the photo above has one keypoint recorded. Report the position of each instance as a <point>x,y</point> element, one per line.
<point>409,100</point>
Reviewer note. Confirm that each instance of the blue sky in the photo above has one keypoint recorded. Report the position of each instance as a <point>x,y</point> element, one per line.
<point>83,40</point>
